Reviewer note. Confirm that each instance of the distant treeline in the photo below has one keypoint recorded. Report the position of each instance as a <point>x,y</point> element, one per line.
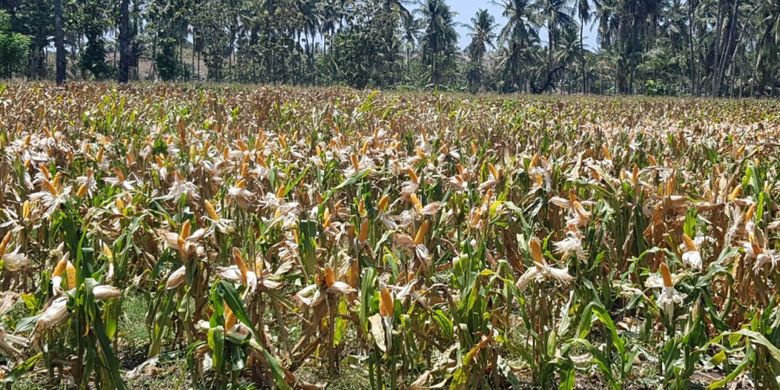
<point>655,47</point>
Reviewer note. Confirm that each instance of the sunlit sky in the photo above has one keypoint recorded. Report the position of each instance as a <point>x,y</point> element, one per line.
<point>467,8</point>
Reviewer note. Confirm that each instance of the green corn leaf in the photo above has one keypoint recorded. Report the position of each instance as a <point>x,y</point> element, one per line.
<point>367,291</point>
<point>758,338</point>
<point>231,297</point>
<point>731,375</point>
<point>216,342</point>
<point>445,324</point>
<point>22,368</point>
<point>109,358</point>
<point>601,361</point>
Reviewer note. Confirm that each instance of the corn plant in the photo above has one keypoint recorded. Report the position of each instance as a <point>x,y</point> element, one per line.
<point>292,237</point>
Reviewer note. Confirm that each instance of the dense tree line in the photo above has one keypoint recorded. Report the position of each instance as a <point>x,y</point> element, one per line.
<point>700,47</point>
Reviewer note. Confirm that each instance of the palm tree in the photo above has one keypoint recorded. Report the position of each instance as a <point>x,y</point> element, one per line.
<point>569,50</point>
<point>674,40</point>
<point>309,15</point>
<point>625,26</point>
<point>518,34</point>
<point>482,33</point>
<point>608,13</point>
<point>768,43</point>
<point>396,8</point>
<point>439,37</point>
<point>583,11</point>
<point>691,57</point>
<point>637,23</point>
<point>330,14</point>
<point>59,42</point>
<point>400,6</point>
<point>124,41</point>
<point>556,15</point>
<point>482,36</point>
<point>410,28</point>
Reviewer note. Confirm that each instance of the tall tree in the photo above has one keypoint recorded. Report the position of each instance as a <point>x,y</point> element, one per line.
<point>727,37</point>
<point>168,26</point>
<point>439,38</point>
<point>13,47</point>
<point>410,29</point>
<point>124,41</point>
<point>59,42</point>
<point>712,47</point>
<point>691,57</point>
<point>517,37</point>
<point>88,21</point>
<point>768,49</point>
<point>33,18</point>
<point>482,36</point>
<point>583,11</point>
<point>557,15</point>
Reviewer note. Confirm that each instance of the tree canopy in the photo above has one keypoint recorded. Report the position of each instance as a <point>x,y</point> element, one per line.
<point>671,47</point>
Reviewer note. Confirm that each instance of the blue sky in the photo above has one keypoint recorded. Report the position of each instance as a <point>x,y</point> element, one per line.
<point>467,8</point>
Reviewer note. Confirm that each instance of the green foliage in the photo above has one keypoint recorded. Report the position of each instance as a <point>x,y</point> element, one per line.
<point>482,37</point>
<point>353,57</point>
<point>93,59</point>
<point>168,65</point>
<point>655,88</point>
<point>91,18</point>
<point>439,40</point>
<point>14,47</point>
<point>363,55</point>
<point>725,48</point>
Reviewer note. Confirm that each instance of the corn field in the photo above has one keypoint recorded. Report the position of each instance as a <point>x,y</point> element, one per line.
<point>279,237</point>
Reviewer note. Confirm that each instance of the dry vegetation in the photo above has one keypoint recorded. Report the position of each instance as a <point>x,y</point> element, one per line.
<point>301,237</point>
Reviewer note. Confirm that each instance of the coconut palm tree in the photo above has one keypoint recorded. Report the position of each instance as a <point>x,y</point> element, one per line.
<point>482,33</point>
<point>606,12</point>
<point>673,39</point>
<point>482,36</point>
<point>332,13</point>
<point>400,6</point>
<point>625,28</point>
<point>438,39</point>
<point>410,29</point>
<point>310,17</point>
<point>583,11</point>
<point>518,35</point>
<point>768,45</point>
<point>124,41</point>
<point>557,15</point>
<point>568,51</point>
<point>59,42</point>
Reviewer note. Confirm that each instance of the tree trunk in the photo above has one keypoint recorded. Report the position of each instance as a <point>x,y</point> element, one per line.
<point>59,42</point>
<point>550,43</point>
<point>192,56</point>
<point>37,60</point>
<point>627,34</point>
<point>582,54</point>
<point>124,41</point>
<point>759,57</point>
<point>408,63</point>
<point>716,48</point>
<point>621,84</point>
<point>181,59</point>
<point>728,48</point>
<point>690,47</point>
